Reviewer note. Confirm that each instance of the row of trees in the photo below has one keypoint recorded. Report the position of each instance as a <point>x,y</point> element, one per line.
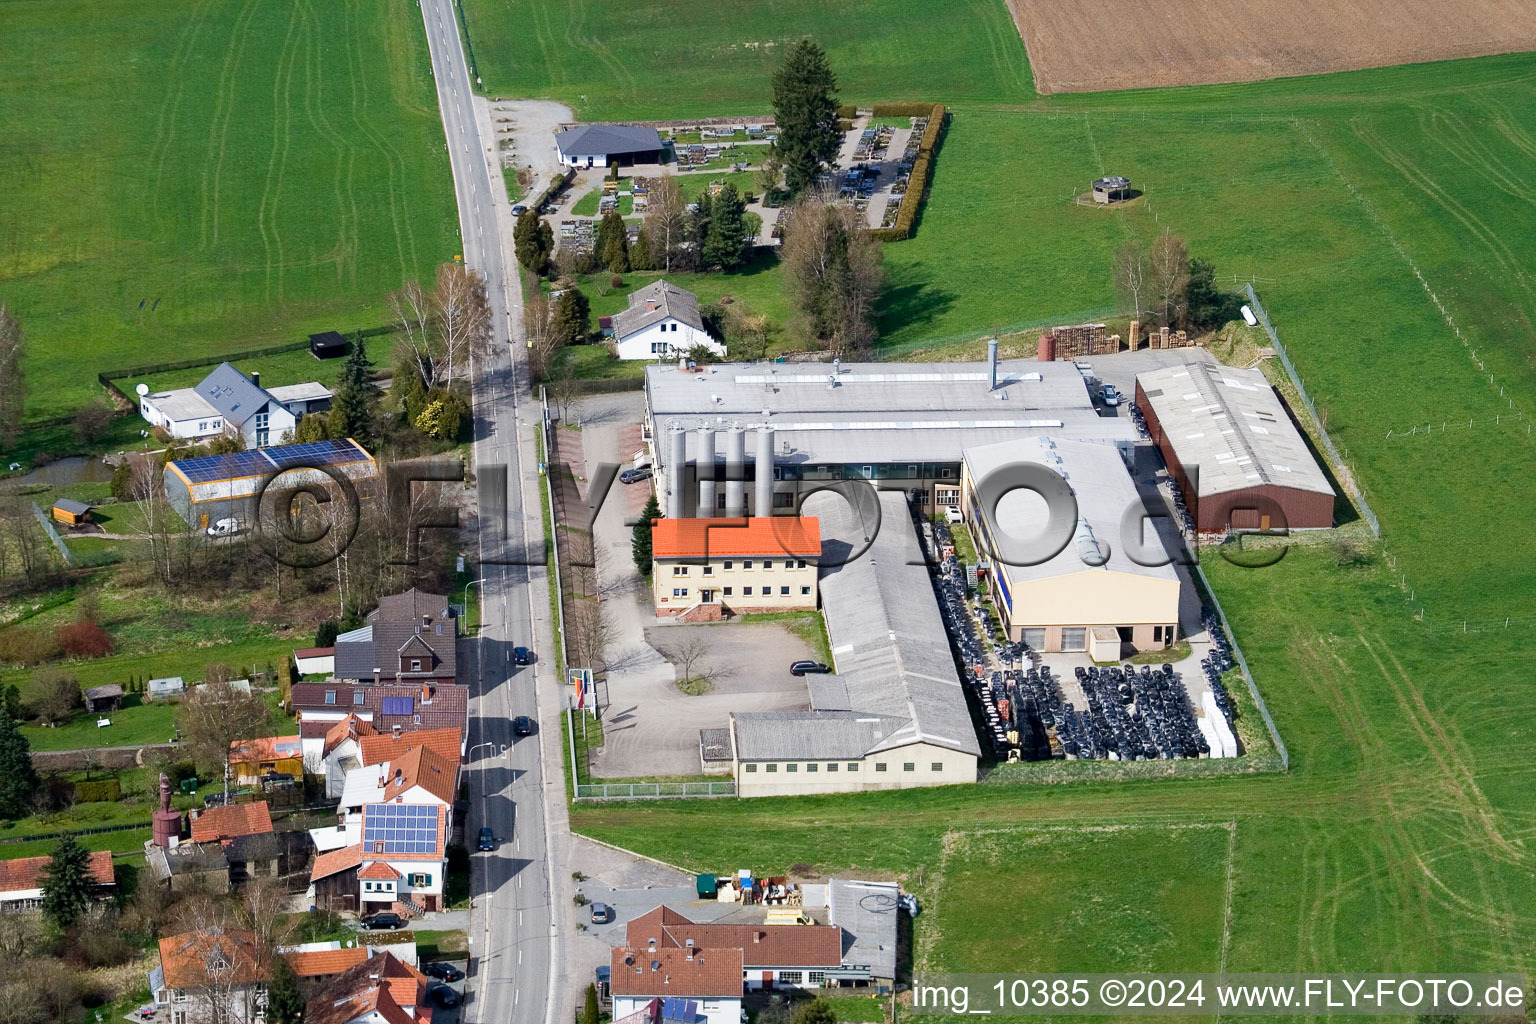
<point>1165,282</point>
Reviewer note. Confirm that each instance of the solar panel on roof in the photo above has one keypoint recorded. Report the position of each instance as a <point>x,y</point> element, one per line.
<point>402,828</point>
<point>210,468</point>
<point>398,706</point>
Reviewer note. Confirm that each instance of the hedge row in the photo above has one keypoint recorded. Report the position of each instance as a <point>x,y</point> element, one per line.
<point>904,109</point>
<point>922,167</point>
<point>99,791</point>
<point>847,111</point>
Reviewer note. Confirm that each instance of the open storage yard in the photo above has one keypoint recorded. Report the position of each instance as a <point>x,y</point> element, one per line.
<point>1078,47</point>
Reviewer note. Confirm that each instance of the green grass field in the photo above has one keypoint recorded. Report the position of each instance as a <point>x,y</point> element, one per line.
<point>679,58</point>
<point>218,176</point>
<point>1386,218</point>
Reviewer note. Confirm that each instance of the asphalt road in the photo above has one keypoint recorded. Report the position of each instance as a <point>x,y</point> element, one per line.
<point>513,936</point>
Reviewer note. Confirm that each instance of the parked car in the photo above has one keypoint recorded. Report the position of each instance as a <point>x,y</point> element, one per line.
<point>444,995</point>
<point>383,922</point>
<point>602,913</point>
<point>522,725</point>
<point>224,528</point>
<point>909,903</point>
<point>522,656</point>
<point>801,668</point>
<point>486,842</point>
<point>442,971</point>
<point>519,210</point>
<point>634,476</point>
<point>1110,395</point>
<point>954,515</point>
<point>276,776</point>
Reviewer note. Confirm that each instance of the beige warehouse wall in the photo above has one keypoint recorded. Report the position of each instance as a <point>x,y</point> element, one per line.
<point>1094,597</point>
<point>955,768</point>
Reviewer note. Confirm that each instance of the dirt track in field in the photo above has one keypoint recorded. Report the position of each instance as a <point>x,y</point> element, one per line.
<point>1092,45</point>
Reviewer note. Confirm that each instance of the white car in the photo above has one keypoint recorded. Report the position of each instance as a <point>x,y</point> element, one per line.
<point>1110,395</point>
<point>224,528</point>
<point>953,515</point>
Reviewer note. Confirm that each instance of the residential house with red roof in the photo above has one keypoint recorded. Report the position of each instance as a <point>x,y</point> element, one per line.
<point>697,985</point>
<point>773,955</point>
<point>211,974</point>
<point>381,990</point>
<point>21,880</point>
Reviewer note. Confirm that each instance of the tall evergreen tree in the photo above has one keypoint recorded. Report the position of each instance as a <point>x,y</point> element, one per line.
<point>18,779</point>
<point>352,405</point>
<point>640,542</point>
<point>804,114</point>
<point>68,886</point>
<point>589,1010</point>
<point>612,243</point>
<point>573,317</point>
<point>285,1003</point>
<point>1203,301</point>
<point>726,238</point>
<point>534,242</point>
<point>407,388</point>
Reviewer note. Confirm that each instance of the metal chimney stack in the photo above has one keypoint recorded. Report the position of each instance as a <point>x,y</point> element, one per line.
<point>704,466</point>
<point>992,361</point>
<point>763,505</point>
<point>736,472</point>
<point>677,472</point>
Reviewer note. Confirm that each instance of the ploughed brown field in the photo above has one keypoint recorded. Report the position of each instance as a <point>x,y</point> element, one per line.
<point>1091,45</point>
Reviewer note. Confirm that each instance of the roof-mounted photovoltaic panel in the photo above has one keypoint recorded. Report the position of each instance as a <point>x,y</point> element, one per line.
<point>401,828</point>
<point>398,706</point>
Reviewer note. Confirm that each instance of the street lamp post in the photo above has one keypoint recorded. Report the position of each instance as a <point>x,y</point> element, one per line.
<point>466,593</point>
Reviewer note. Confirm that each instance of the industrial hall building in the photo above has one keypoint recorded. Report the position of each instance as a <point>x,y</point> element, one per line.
<point>900,426</point>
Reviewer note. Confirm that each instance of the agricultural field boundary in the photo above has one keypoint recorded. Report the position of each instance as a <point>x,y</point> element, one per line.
<point>1356,491</point>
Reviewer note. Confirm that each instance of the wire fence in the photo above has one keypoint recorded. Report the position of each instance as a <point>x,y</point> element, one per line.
<point>53,534</point>
<point>1242,662</point>
<point>652,790</point>
<point>1322,432</point>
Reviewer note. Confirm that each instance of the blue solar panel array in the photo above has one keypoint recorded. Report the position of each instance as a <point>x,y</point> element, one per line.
<point>402,828</point>
<point>683,1010</point>
<point>211,468</point>
<point>398,706</point>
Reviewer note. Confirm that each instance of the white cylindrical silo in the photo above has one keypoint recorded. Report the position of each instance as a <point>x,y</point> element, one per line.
<point>677,472</point>
<point>763,504</point>
<point>704,469</point>
<point>736,472</point>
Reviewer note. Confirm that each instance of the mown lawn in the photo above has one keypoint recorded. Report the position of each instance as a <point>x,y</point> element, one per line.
<point>183,182</point>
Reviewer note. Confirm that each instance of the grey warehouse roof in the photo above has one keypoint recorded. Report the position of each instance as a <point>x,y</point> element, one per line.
<point>1231,424</point>
<point>605,139</point>
<point>880,412</point>
<point>891,650</point>
<point>1097,478</point>
<point>669,301</point>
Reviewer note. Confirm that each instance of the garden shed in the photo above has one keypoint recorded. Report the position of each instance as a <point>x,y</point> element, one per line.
<point>71,512</point>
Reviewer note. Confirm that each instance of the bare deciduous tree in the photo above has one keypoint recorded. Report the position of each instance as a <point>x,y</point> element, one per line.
<point>666,220</point>
<point>833,273</point>
<point>543,343</point>
<point>411,311</point>
<point>687,656</point>
<point>1131,274</point>
<point>461,315</point>
<point>216,715</point>
<point>1170,267</point>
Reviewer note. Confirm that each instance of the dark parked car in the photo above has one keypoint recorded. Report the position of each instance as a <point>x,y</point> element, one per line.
<point>443,972</point>
<point>522,656</point>
<point>602,913</point>
<point>801,668</point>
<point>522,725</point>
<point>487,841</point>
<point>381,922</point>
<point>519,210</point>
<point>634,476</point>
<point>277,777</point>
<point>444,995</point>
